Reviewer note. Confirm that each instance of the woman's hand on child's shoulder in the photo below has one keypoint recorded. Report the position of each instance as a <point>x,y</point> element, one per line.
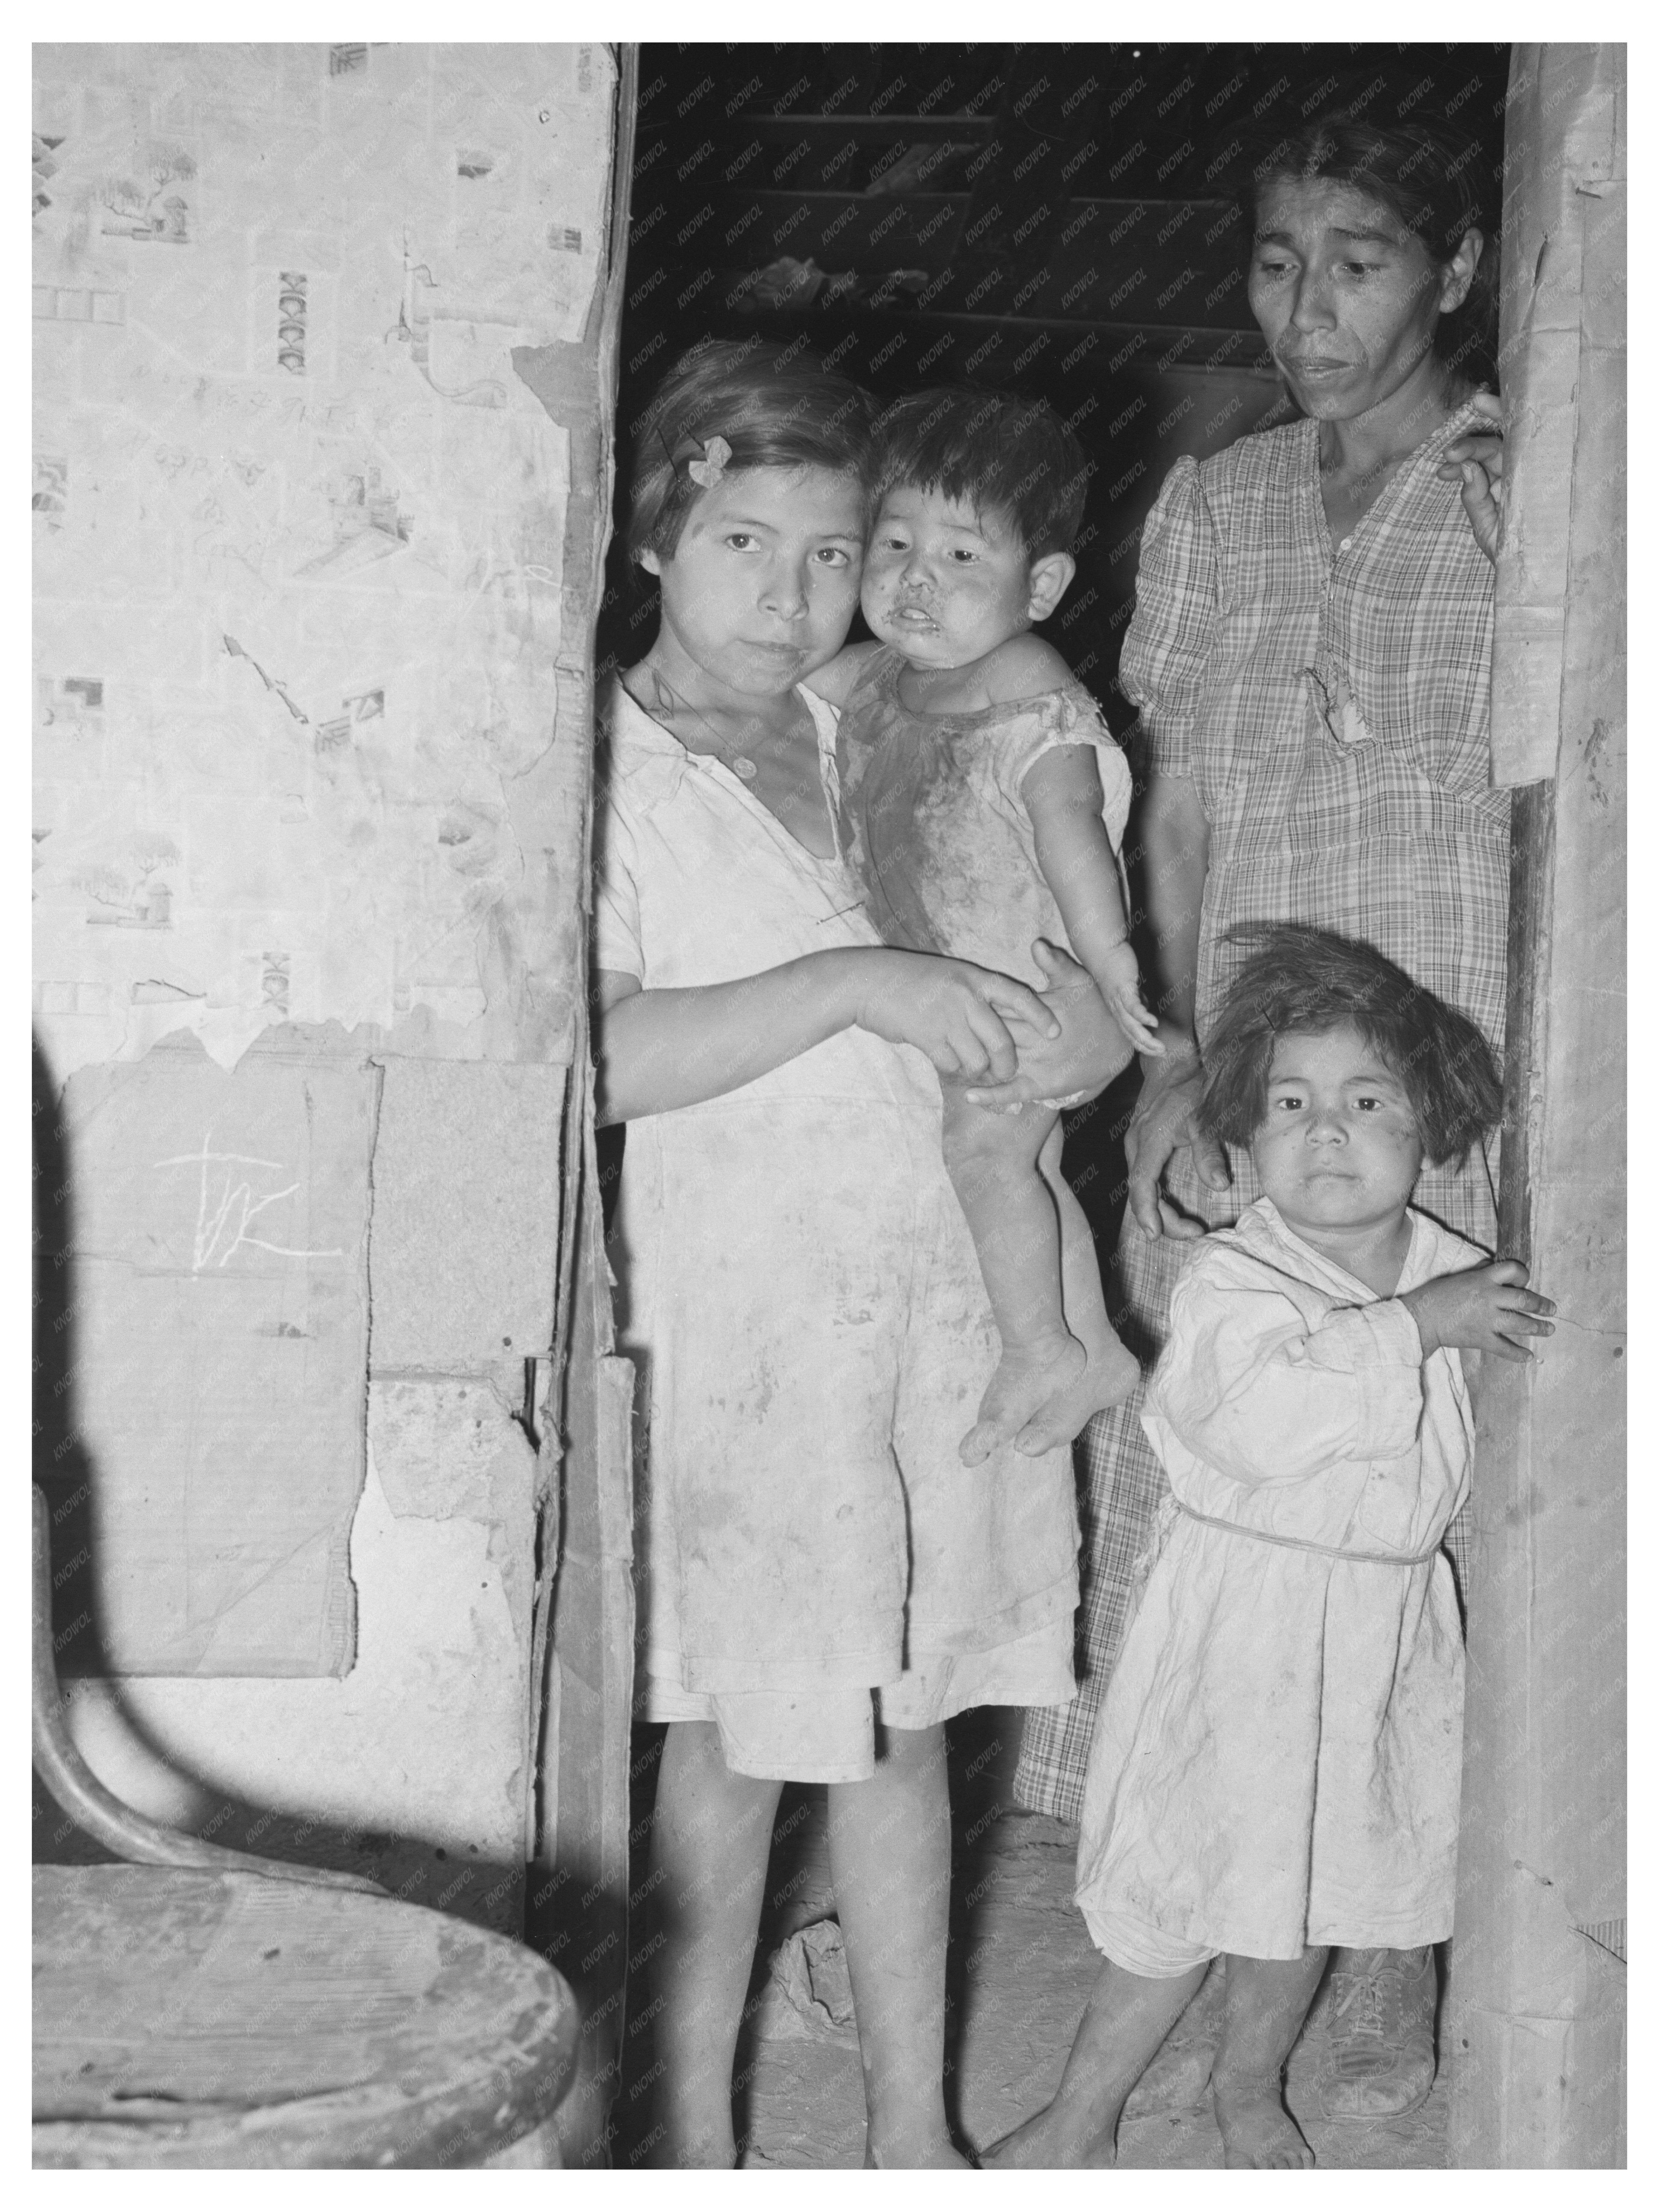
<point>1480,1309</point>
<point>836,680</point>
<point>1023,667</point>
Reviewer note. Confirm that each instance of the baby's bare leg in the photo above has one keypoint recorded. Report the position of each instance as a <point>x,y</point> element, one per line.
<point>1010,1210</point>
<point>1112,1372</point>
<point>1268,2001</point>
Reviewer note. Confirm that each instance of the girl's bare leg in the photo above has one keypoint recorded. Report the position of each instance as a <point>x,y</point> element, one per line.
<point>889,1856</point>
<point>1268,2001</point>
<point>710,1846</point>
<point>1112,1372</point>
<point>1128,2017</point>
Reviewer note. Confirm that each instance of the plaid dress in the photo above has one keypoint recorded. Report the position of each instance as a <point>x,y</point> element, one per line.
<point>1331,704</point>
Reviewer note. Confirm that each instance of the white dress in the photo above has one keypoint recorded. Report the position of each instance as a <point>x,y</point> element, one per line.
<point>802,1297</point>
<point>1277,1760</point>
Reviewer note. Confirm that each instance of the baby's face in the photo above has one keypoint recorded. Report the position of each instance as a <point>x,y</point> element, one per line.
<point>943,584</point>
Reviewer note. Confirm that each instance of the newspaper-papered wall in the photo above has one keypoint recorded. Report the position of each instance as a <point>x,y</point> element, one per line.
<point>297,523</point>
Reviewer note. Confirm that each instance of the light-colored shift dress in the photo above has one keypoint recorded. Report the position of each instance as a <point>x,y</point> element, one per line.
<point>1276,1763</point>
<point>798,1288</point>
<point>937,828</point>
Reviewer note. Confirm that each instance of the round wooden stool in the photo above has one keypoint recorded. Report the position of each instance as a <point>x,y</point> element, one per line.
<point>185,2018</point>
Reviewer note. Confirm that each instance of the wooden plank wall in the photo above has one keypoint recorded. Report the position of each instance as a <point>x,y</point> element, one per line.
<point>577,1904</point>
<point>1537,2004</point>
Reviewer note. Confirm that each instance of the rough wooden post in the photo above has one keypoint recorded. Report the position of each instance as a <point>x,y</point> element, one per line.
<point>578,1900</point>
<point>1536,2012</point>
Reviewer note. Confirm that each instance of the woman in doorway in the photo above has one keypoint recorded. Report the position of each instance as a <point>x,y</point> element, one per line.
<point>1311,655</point>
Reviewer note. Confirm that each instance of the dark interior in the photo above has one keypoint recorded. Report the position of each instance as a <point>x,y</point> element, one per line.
<point>1063,220</point>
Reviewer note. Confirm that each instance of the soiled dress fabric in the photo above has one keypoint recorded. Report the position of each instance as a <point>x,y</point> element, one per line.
<point>1277,1759</point>
<point>938,829</point>
<point>1332,705</point>
<point>800,1290</point>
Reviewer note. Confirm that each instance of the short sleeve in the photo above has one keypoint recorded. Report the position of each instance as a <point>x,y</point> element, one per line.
<point>617,944</point>
<point>1068,718</point>
<point>1167,645</point>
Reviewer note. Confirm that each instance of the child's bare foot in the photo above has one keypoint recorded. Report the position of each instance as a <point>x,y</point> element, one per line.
<point>1027,1381</point>
<point>1107,1380</point>
<point>1048,2139</point>
<point>1256,2128</point>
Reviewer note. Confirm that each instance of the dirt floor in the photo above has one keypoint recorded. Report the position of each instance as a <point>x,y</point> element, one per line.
<point>1020,1970</point>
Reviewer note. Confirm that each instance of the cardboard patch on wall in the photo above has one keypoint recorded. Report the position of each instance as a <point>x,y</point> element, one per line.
<point>219,1306</point>
<point>467,1216</point>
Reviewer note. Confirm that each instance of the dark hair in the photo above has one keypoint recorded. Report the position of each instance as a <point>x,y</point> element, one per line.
<point>1310,980</point>
<point>776,406</point>
<point>1428,175</point>
<point>992,449</point>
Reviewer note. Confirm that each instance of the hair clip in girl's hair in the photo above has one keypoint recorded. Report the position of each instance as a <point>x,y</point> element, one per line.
<point>710,469</point>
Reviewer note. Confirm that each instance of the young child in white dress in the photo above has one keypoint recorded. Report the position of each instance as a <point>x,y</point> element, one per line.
<point>1275,1768</point>
<point>986,801</point>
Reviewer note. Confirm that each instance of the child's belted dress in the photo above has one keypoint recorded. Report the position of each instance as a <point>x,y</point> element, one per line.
<point>1277,1760</point>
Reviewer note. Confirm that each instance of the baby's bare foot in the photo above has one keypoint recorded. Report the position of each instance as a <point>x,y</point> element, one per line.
<point>1107,1380</point>
<point>1046,2142</point>
<point>1027,1380</point>
<point>1256,2128</point>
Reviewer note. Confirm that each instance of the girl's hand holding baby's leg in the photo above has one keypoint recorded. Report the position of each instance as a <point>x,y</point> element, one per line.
<point>1091,1052</point>
<point>956,1013</point>
<point>1119,979</point>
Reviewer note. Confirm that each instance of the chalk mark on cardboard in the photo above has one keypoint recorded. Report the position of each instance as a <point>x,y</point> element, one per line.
<point>224,1210</point>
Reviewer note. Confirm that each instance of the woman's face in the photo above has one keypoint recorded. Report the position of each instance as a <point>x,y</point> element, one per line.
<point>1346,298</point>
<point>760,588</point>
